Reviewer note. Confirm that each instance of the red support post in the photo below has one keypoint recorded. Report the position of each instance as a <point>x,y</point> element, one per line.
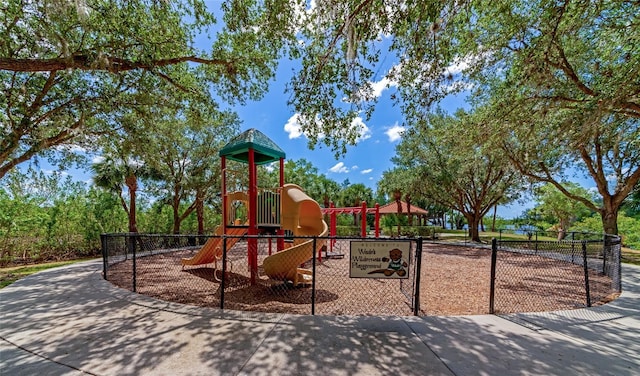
<point>225,203</point>
<point>252,242</point>
<point>280,231</point>
<point>363,220</point>
<point>377,220</point>
<point>332,231</point>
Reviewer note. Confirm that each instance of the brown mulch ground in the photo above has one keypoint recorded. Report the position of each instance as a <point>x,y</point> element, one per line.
<point>454,280</point>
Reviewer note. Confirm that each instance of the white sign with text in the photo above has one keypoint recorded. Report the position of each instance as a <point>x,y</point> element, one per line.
<point>380,259</point>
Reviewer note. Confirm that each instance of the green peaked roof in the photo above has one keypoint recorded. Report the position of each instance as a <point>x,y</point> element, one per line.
<point>265,150</point>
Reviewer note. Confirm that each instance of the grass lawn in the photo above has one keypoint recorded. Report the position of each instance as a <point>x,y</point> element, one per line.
<point>485,236</point>
<point>630,256</point>
<point>12,274</point>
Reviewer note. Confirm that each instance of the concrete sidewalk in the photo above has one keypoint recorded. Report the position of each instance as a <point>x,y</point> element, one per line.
<point>69,321</point>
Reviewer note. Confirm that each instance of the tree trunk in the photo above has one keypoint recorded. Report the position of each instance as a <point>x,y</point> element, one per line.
<point>407,199</point>
<point>473,222</point>
<point>132,184</point>
<point>176,222</point>
<point>399,213</point>
<point>610,220</point>
<point>562,229</point>
<point>200,214</point>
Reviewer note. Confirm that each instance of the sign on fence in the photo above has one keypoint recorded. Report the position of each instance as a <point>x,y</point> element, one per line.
<point>380,259</point>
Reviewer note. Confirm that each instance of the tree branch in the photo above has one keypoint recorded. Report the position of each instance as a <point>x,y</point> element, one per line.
<point>567,68</point>
<point>111,64</point>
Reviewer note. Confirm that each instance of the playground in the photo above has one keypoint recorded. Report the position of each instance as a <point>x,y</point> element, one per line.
<point>275,252</point>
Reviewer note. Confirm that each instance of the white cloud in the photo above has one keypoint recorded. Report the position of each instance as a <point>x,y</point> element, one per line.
<point>367,171</point>
<point>271,166</point>
<point>373,90</point>
<point>379,86</point>
<point>339,168</point>
<point>293,127</point>
<point>363,131</point>
<point>459,65</point>
<point>395,132</point>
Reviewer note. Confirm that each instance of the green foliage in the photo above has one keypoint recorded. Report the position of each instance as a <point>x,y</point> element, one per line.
<point>354,194</point>
<point>53,219</point>
<point>458,173</point>
<point>72,67</point>
<point>46,217</point>
<point>558,208</point>
<point>348,230</point>
<point>389,223</point>
<point>345,220</point>
<point>631,207</point>
<point>629,229</point>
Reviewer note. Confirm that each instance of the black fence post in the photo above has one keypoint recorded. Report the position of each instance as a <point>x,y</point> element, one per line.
<point>573,246</point>
<point>224,270</point>
<point>105,255</point>
<point>492,287</point>
<point>586,272</point>
<point>131,241</point>
<point>313,277</point>
<point>605,247</point>
<point>416,289</point>
<point>617,254</point>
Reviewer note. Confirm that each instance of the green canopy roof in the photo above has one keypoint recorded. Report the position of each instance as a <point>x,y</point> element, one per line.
<point>265,150</point>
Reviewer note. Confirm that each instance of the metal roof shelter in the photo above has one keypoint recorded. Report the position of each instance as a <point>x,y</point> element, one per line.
<point>265,150</point>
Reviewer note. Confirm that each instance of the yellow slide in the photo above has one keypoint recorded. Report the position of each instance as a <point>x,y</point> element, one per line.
<point>301,215</point>
<point>211,251</point>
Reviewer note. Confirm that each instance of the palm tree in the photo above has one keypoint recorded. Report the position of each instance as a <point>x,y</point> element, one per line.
<point>114,174</point>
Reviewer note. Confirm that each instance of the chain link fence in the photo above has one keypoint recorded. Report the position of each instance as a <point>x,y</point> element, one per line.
<point>347,275</point>
<point>530,276</point>
<point>153,265</point>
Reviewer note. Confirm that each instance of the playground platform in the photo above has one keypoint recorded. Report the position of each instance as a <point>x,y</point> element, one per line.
<point>69,321</point>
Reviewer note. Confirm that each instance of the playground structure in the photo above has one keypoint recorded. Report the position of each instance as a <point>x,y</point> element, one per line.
<point>285,208</point>
<point>250,210</point>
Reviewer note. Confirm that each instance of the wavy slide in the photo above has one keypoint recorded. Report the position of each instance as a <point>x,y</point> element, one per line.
<point>211,251</point>
<point>302,216</point>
